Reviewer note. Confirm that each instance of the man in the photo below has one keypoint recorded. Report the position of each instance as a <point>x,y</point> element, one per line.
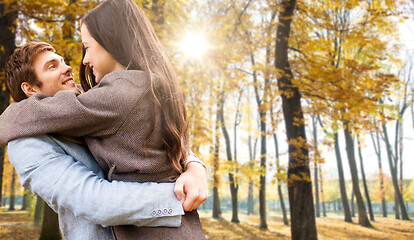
<point>67,177</point>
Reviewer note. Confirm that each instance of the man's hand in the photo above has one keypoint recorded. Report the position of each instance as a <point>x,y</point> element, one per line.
<point>192,186</point>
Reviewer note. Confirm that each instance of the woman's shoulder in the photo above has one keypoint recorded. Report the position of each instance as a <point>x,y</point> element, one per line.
<point>134,76</point>
<point>130,84</point>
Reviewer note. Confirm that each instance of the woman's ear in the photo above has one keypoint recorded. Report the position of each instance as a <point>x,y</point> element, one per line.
<point>29,89</point>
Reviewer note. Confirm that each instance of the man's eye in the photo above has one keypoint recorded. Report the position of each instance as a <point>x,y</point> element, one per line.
<point>52,66</point>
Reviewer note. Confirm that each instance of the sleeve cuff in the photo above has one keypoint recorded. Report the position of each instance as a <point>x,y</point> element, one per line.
<point>193,158</point>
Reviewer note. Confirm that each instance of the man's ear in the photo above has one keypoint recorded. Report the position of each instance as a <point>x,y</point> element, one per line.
<point>29,89</point>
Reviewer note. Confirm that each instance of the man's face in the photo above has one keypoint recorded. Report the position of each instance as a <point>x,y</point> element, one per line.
<point>54,74</point>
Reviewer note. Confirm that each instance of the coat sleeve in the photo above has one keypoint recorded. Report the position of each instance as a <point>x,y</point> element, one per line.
<point>45,169</point>
<point>98,112</point>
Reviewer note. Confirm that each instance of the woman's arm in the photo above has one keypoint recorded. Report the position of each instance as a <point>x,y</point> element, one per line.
<point>191,186</point>
<point>98,112</point>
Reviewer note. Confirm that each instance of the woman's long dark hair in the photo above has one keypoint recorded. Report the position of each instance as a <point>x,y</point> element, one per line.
<point>123,30</point>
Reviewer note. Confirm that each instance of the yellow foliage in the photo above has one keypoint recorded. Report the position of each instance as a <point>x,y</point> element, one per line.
<point>340,59</point>
<point>339,54</point>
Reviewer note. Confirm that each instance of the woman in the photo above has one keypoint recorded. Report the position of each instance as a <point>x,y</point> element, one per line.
<point>132,116</point>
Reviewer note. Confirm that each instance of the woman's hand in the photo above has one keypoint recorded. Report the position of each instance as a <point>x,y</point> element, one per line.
<point>191,187</point>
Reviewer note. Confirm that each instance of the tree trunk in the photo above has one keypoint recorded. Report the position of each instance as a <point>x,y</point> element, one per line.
<point>335,205</point>
<point>364,181</point>
<point>377,149</point>
<point>303,225</point>
<point>12,192</point>
<point>2,152</point>
<point>279,181</point>
<point>237,121</point>
<point>315,163</point>
<point>252,155</point>
<point>38,210</point>
<point>216,183</point>
<point>353,203</point>
<point>344,197</point>
<point>262,106</point>
<point>316,183</point>
<point>25,202</point>
<point>322,196</point>
<point>396,160</point>
<point>263,149</point>
<point>7,42</point>
<point>262,189</point>
<point>233,185</point>
<point>250,200</point>
<point>396,207</point>
<point>399,199</point>
<point>399,150</point>
<point>362,214</point>
<point>50,226</point>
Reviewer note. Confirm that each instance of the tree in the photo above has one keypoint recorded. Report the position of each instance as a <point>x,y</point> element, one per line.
<point>316,164</point>
<point>252,141</point>
<point>8,16</point>
<point>341,178</point>
<point>322,192</point>
<point>280,174</point>
<point>303,224</point>
<point>255,39</point>
<point>395,156</point>
<point>350,150</point>
<point>50,226</point>
<point>232,178</point>
<point>252,156</point>
<point>38,210</point>
<point>377,148</point>
<point>12,191</point>
<point>26,199</point>
<point>336,55</point>
<point>216,177</point>
<point>364,180</point>
<point>344,198</point>
<point>393,170</point>
<point>262,75</point>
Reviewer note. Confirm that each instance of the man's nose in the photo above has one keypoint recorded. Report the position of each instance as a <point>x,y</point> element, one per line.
<point>67,70</point>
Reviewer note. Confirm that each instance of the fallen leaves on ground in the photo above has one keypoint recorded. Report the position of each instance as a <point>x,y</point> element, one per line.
<point>328,228</point>
<point>17,225</point>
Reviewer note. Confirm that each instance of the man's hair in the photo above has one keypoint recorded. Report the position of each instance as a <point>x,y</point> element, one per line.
<point>19,68</point>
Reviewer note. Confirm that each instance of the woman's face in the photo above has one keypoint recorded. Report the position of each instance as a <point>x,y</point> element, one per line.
<point>96,57</point>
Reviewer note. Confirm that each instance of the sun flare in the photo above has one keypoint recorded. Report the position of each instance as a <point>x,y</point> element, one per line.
<point>194,45</point>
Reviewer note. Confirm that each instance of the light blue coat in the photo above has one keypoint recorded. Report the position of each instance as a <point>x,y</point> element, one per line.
<point>66,176</point>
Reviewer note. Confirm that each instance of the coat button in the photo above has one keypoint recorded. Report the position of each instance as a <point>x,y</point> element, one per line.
<point>165,211</point>
<point>159,212</point>
<point>154,213</point>
<point>170,211</point>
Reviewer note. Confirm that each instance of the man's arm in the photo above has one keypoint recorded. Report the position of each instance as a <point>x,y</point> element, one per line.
<point>46,169</point>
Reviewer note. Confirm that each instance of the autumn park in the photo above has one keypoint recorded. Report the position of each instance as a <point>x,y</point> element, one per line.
<point>303,112</point>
